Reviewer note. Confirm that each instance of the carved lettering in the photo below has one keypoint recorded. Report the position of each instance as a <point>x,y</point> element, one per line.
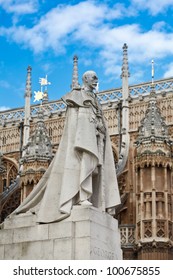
<point>107,255</point>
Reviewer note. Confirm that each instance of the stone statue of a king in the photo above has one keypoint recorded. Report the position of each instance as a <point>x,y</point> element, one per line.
<point>82,171</point>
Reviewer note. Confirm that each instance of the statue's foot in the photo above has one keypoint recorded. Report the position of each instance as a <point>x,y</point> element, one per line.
<point>85,203</point>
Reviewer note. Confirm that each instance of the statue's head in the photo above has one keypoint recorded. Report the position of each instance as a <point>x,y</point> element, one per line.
<point>90,80</point>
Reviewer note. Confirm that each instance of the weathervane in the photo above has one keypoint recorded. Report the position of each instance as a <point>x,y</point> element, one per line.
<point>39,95</point>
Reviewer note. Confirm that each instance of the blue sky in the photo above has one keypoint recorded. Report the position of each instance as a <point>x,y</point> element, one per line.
<point>46,34</point>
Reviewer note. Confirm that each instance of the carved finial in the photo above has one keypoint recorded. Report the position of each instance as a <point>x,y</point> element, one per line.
<point>125,67</point>
<point>28,92</point>
<point>75,83</point>
<point>152,71</point>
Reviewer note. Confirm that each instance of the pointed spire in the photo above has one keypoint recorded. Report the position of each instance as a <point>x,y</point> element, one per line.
<point>125,74</point>
<point>39,144</point>
<point>153,123</point>
<point>125,139</point>
<point>28,95</point>
<point>125,67</point>
<point>28,92</point>
<point>75,83</point>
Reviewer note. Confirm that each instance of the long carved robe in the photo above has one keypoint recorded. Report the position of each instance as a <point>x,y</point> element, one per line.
<point>77,168</point>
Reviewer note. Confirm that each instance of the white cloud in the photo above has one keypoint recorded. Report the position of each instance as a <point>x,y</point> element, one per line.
<point>119,10</point>
<point>90,24</point>
<point>169,71</point>
<point>56,26</point>
<point>63,25</point>
<point>137,76</point>
<point>160,26</point>
<point>153,6</point>
<point>4,108</point>
<point>19,6</point>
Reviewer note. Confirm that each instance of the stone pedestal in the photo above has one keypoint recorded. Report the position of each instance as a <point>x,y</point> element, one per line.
<point>87,234</point>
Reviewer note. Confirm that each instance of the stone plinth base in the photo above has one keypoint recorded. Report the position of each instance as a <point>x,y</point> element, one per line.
<point>87,234</point>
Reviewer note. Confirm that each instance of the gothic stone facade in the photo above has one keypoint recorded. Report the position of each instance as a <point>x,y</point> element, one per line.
<point>146,184</point>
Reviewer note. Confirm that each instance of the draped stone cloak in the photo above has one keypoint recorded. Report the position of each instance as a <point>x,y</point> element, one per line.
<point>70,172</point>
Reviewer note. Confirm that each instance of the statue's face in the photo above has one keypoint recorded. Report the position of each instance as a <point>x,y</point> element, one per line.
<point>93,81</point>
<point>90,80</point>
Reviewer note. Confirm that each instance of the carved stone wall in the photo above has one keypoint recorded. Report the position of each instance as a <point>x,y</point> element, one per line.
<point>9,138</point>
<point>10,134</point>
